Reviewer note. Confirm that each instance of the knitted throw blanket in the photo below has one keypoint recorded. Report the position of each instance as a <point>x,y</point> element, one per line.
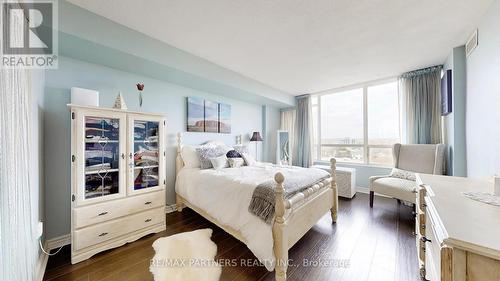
<point>296,180</point>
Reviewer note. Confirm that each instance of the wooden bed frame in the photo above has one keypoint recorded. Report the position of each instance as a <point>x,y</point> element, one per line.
<point>293,217</point>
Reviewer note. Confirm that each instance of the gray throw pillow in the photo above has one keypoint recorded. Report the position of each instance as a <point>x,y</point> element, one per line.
<point>205,153</point>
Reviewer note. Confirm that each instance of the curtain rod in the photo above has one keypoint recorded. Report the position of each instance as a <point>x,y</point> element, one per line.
<point>422,71</point>
<point>302,96</point>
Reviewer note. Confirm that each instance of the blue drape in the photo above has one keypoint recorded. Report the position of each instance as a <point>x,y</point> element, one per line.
<point>304,132</point>
<point>421,91</point>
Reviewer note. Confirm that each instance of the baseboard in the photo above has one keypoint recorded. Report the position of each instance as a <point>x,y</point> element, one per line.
<point>41,264</point>
<point>58,242</point>
<point>170,208</point>
<point>49,245</point>
<point>64,240</point>
<point>366,190</point>
<point>361,189</point>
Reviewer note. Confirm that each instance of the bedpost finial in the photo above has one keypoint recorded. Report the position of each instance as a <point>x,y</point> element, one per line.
<point>279,178</point>
<point>333,162</point>
<point>179,142</point>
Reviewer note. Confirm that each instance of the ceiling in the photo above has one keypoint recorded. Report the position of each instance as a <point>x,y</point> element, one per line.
<point>301,46</point>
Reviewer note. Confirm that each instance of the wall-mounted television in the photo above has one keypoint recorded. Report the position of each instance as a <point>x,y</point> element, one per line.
<point>446,93</point>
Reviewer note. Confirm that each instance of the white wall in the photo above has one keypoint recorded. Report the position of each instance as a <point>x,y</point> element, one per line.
<point>483,99</point>
<point>271,127</point>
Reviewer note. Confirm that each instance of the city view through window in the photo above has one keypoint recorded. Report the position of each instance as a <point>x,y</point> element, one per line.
<point>359,125</point>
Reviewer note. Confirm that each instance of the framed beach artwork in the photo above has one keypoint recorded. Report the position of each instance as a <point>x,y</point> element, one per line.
<point>196,114</point>
<point>224,118</point>
<point>211,117</point>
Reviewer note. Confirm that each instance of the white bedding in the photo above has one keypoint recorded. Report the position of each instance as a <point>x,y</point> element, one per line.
<point>225,195</point>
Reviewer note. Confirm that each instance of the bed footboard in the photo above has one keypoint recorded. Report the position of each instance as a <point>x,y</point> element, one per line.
<point>293,217</point>
<point>300,220</point>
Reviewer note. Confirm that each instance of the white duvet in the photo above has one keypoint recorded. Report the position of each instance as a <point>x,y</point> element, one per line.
<point>225,195</point>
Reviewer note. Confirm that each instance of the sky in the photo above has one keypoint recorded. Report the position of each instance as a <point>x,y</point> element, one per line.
<point>342,113</point>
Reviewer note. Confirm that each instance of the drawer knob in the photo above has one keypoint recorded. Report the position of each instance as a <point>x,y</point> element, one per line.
<point>148,220</point>
<point>103,234</point>
<point>148,203</point>
<point>424,239</point>
<point>103,213</point>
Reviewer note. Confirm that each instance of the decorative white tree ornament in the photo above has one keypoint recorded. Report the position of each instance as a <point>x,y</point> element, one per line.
<point>120,102</point>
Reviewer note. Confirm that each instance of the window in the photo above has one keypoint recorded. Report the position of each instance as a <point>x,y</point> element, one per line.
<point>358,125</point>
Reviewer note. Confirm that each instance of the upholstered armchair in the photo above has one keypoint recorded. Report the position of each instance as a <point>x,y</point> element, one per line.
<point>412,158</point>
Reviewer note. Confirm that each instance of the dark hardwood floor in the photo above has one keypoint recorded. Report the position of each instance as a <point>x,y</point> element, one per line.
<point>365,244</point>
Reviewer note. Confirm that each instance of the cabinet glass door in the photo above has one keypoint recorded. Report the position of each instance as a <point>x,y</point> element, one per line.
<point>146,155</point>
<point>102,156</point>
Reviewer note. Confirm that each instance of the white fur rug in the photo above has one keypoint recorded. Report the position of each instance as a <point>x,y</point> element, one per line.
<point>185,256</point>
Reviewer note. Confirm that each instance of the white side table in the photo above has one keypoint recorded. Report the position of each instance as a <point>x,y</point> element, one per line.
<point>346,180</point>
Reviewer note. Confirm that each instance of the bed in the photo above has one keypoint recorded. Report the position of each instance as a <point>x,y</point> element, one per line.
<point>223,196</point>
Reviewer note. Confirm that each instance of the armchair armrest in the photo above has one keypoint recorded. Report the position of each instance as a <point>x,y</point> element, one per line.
<point>374,178</point>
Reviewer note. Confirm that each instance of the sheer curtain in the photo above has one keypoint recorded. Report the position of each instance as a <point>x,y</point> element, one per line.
<point>303,140</point>
<point>18,243</point>
<point>289,124</point>
<point>420,91</point>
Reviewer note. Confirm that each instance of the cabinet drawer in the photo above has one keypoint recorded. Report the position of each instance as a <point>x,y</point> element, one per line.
<point>96,234</point>
<point>89,215</point>
<point>421,224</point>
<point>421,200</point>
<point>433,253</point>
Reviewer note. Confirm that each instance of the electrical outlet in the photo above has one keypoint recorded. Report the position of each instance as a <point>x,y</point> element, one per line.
<point>39,231</point>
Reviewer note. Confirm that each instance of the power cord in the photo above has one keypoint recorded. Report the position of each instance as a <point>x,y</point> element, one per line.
<point>45,252</point>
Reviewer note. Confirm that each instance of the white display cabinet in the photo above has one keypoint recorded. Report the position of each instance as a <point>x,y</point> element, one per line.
<point>118,178</point>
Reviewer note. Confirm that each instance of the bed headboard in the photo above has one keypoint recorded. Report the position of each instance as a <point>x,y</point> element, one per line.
<point>179,163</point>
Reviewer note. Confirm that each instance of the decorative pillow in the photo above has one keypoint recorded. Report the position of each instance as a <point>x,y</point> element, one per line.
<point>240,148</point>
<point>236,162</point>
<point>233,154</point>
<point>249,160</point>
<point>219,162</point>
<point>402,174</point>
<point>190,157</point>
<point>205,153</point>
<point>217,143</point>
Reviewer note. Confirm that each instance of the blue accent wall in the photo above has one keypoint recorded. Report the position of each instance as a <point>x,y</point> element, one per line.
<point>454,123</point>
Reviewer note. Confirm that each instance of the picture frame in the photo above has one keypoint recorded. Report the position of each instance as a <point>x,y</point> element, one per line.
<point>208,116</point>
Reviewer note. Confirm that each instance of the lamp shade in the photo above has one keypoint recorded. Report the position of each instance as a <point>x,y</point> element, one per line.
<point>256,137</point>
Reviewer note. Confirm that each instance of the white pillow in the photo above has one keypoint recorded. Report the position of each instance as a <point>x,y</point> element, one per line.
<point>403,174</point>
<point>219,162</point>
<point>214,143</point>
<point>236,162</point>
<point>249,160</point>
<point>190,157</point>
